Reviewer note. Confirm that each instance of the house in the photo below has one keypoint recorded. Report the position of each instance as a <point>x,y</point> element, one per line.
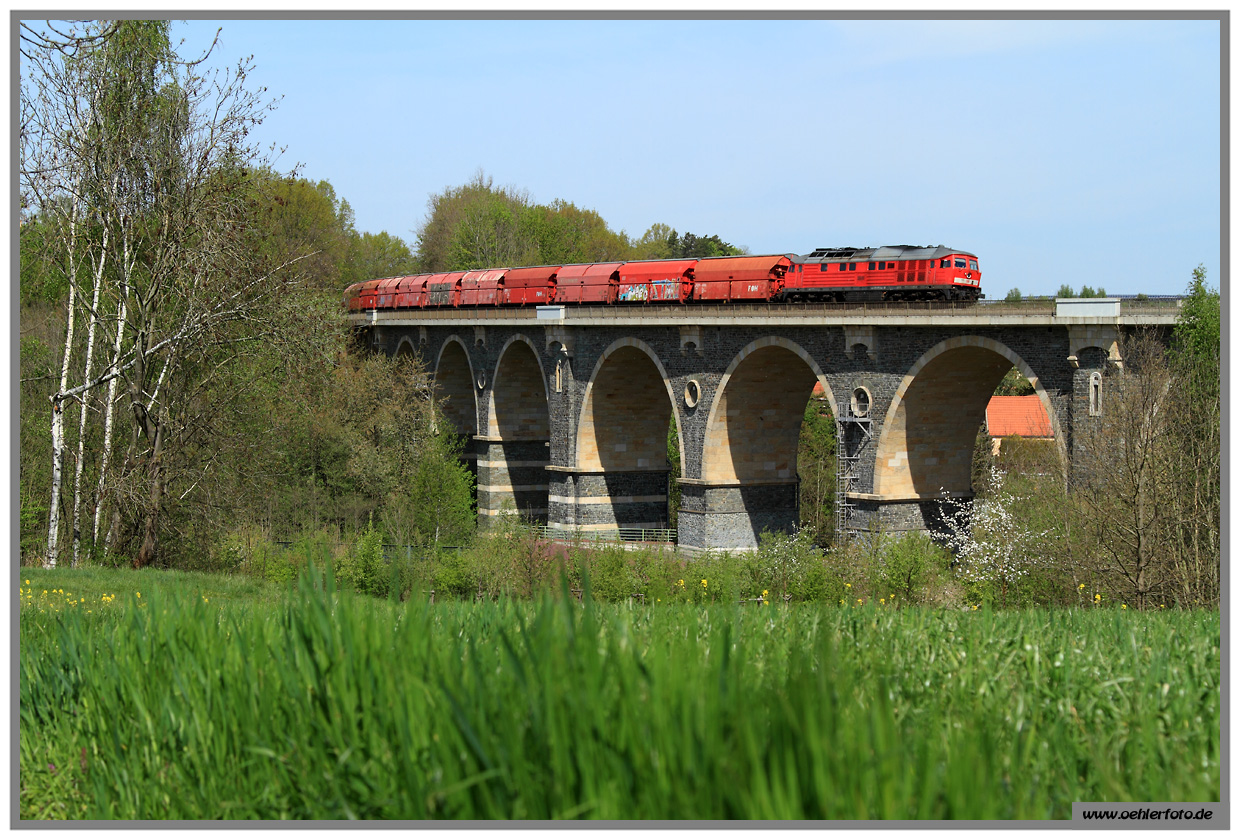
<point>1022,417</point>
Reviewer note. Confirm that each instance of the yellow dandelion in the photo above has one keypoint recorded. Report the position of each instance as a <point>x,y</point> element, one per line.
<point>1123,606</point>
<point>1082,586</point>
<point>848,586</point>
<point>882,600</point>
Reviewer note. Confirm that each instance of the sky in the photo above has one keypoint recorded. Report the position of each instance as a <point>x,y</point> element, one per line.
<point>1078,152</point>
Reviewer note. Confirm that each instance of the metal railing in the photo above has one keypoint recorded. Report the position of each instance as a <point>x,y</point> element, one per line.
<point>627,535</point>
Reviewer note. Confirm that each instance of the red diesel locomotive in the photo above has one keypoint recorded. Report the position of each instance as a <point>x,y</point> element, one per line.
<point>889,273</point>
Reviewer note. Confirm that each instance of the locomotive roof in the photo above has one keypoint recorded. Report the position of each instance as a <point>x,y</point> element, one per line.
<point>883,252</point>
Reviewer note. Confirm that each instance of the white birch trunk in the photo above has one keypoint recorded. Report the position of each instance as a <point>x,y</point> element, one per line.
<point>58,435</point>
<point>108,411</point>
<point>93,314</point>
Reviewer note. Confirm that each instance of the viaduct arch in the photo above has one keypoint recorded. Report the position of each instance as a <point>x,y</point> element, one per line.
<point>926,448</point>
<point>569,409</point>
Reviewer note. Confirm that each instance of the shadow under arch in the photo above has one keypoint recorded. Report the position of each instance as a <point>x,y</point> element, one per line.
<point>519,404</point>
<point>754,424</point>
<point>748,474</point>
<point>454,384</point>
<point>925,450</point>
<point>405,348</point>
<point>514,452</point>
<point>620,426</point>
<point>622,477</point>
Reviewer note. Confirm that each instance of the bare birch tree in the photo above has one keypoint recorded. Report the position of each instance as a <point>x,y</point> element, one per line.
<point>145,162</point>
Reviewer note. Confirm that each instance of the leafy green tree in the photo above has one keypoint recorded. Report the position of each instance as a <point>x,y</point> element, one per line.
<point>673,463</point>
<point>440,494</point>
<point>655,243</point>
<point>1014,384</point>
<point>372,255</point>
<point>691,246</point>
<point>816,470</point>
<point>479,225</point>
<point>1198,331</point>
<point>1013,295</point>
<point>1196,457</point>
<point>305,221</point>
<point>573,235</point>
<point>470,225</point>
<point>1065,291</point>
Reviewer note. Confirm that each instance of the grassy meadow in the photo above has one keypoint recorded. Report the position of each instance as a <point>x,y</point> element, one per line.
<point>170,695</point>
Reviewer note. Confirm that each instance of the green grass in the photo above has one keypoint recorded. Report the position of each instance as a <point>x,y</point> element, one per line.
<point>211,697</point>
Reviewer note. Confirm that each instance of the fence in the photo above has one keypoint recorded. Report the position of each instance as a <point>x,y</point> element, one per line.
<point>610,535</point>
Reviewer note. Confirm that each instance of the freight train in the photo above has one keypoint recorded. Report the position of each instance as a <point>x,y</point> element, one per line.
<point>889,273</point>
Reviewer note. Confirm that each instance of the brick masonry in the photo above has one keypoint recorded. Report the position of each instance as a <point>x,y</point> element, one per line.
<point>533,394</point>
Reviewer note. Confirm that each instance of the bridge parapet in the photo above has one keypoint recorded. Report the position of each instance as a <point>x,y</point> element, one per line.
<point>1059,312</point>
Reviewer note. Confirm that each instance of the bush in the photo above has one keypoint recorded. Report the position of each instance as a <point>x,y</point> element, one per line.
<point>909,565</point>
<point>454,574</point>
<point>782,561</point>
<point>364,569</point>
<point>611,574</point>
<point>819,582</point>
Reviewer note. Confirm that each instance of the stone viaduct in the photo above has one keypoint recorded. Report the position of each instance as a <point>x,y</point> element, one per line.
<point>568,407</point>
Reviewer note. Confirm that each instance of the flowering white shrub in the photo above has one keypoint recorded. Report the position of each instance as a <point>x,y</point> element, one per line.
<point>783,558</point>
<point>990,544</point>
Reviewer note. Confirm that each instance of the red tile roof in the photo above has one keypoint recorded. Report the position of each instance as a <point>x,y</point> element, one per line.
<point>1022,416</point>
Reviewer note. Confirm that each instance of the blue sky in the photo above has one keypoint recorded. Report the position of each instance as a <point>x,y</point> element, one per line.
<point>1079,152</point>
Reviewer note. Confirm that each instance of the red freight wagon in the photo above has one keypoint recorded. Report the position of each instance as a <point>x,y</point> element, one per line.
<point>656,281</point>
<point>444,289</point>
<point>352,296</point>
<point>739,278</point>
<point>411,292</point>
<point>482,288</point>
<point>530,285</point>
<point>385,295</point>
<point>367,294</point>
<point>587,283</point>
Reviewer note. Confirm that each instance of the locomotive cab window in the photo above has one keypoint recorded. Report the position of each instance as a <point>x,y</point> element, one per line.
<point>973,264</point>
<point>959,263</point>
<point>945,263</point>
